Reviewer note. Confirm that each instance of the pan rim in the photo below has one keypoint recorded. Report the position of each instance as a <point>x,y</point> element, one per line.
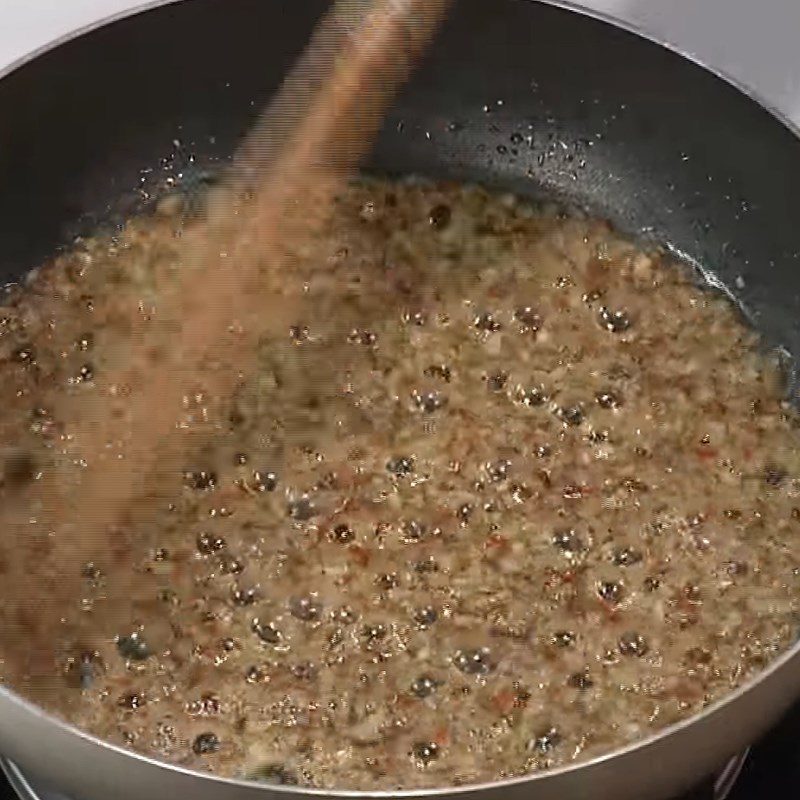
<point>639,745</point>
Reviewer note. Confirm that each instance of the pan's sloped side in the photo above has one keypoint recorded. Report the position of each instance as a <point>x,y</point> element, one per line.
<point>656,769</point>
<point>574,108</point>
<point>550,103</point>
<point>532,97</point>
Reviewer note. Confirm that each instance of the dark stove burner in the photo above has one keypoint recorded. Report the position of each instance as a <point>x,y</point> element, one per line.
<point>714,789</point>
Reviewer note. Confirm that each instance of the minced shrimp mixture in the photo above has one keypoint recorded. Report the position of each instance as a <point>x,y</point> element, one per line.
<point>514,493</point>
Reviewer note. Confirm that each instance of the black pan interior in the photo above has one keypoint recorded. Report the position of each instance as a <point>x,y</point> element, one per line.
<point>515,93</point>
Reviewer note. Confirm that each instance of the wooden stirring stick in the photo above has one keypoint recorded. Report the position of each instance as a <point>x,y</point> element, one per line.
<point>333,102</point>
<point>281,186</point>
<point>309,140</point>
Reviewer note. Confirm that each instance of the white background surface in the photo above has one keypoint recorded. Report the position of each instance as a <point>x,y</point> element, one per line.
<point>755,41</point>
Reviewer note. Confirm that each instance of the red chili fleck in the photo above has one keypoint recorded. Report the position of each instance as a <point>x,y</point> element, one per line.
<point>504,701</point>
<point>441,737</point>
<point>496,542</point>
<point>706,453</point>
<point>360,555</point>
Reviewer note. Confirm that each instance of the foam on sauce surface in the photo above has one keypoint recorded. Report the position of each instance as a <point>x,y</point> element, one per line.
<point>513,493</point>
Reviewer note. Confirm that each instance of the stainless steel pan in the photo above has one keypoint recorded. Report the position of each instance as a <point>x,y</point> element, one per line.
<point>539,98</point>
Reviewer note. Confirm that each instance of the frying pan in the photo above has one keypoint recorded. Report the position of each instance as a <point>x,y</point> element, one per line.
<point>537,98</point>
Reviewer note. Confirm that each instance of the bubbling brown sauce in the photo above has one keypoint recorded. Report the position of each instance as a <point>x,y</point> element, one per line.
<point>509,494</point>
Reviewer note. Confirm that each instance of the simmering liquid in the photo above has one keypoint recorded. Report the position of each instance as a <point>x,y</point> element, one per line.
<point>508,493</point>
